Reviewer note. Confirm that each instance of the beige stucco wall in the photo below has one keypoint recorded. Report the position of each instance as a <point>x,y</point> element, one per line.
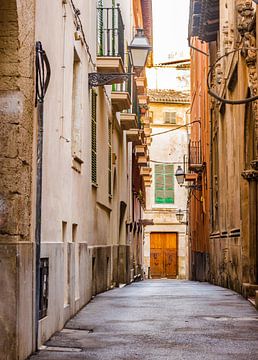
<point>97,258</point>
<point>87,250</point>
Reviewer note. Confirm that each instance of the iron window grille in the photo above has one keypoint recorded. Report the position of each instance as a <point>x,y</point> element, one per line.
<point>195,155</point>
<point>44,287</point>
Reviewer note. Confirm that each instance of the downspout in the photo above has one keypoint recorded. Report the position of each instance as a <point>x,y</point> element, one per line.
<point>42,80</point>
<point>211,177</point>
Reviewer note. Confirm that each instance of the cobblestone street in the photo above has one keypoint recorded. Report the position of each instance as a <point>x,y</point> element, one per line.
<point>159,319</point>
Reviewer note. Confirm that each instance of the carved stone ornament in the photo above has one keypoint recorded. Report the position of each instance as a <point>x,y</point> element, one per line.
<point>246,26</point>
<point>250,175</point>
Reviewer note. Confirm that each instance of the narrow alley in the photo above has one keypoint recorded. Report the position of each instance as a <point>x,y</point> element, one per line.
<point>159,319</point>
<point>128,179</point>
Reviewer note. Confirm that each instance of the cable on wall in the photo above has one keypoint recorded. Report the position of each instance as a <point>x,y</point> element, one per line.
<point>179,127</point>
<point>79,26</point>
<point>216,96</point>
<point>166,162</point>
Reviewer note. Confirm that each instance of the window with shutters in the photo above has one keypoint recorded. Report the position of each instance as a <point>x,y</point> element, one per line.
<point>164,184</point>
<point>76,108</point>
<point>110,158</point>
<point>169,117</point>
<point>93,137</point>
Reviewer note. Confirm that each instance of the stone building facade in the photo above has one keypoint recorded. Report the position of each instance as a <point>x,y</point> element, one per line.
<point>229,31</point>
<point>165,238</point>
<point>88,210</point>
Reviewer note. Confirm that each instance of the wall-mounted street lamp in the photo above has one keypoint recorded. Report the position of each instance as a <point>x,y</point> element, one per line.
<point>180,216</point>
<point>138,51</point>
<point>180,177</point>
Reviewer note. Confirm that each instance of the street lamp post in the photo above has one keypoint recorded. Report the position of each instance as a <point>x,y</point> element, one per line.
<point>180,175</point>
<point>139,50</point>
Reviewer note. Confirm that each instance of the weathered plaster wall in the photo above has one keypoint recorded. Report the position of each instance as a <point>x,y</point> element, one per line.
<point>169,148</point>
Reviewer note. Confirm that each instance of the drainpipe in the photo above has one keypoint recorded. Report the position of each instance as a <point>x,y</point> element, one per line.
<point>42,80</point>
<point>211,176</point>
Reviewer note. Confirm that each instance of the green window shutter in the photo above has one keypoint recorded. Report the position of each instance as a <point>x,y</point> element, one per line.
<point>110,158</point>
<point>100,28</point>
<point>164,184</point>
<point>93,137</point>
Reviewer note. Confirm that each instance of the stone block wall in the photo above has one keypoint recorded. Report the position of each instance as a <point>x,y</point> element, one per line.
<point>16,159</point>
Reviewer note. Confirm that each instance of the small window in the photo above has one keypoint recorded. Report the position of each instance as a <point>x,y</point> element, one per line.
<point>74,232</point>
<point>170,117</point>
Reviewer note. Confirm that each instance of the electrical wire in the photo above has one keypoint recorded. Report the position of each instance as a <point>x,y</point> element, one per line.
<point>179,127</point>
<point>192,193</point>
<point>79,26</point>
<point>166,162</point>
<point>216,96</point>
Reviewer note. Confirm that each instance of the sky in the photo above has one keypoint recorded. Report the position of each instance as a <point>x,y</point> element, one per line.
<point>170,26</point>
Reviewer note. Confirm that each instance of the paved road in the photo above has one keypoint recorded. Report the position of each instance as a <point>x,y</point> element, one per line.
<point>160,319</point>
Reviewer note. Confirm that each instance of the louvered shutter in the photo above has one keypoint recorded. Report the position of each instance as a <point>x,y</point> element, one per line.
<point>164,184</point>
<point>110,158</point>
<point>93,137</point>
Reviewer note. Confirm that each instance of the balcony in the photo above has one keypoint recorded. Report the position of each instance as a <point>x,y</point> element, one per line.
<point>134,136</point>
<point>140,150</point>
<point>145,171</point>
<point>141,84</point>
<point>147,131</point>
<point>121,92</point>
<point>195,163</point>
<point>128,121</point>
<point>120,100</point>
<point>147,180</point>
<point>110,40</point>
<point>143,160</point>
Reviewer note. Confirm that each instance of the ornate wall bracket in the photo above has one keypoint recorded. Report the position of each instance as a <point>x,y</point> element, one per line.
<point>100,79</point>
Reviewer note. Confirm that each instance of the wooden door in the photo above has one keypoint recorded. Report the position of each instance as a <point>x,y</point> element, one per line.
<point>163,255</point>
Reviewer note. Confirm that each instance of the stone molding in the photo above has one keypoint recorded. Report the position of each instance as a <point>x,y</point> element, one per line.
<point>246,25</point>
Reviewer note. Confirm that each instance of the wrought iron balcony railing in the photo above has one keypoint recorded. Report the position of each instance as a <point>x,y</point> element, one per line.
<point>110,32</point>
<point>195,156</point>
